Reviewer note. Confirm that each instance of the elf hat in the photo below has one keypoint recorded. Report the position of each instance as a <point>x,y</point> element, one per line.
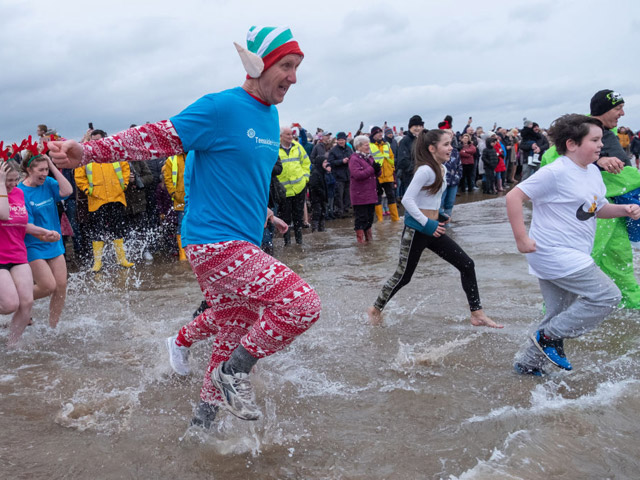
<point>265,47</point>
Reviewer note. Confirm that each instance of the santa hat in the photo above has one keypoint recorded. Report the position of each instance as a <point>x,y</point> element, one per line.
<point>265,47</point>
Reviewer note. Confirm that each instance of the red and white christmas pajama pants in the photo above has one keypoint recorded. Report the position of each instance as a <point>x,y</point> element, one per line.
<point>255,301</point>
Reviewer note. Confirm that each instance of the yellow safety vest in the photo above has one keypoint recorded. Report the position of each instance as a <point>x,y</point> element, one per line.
<point>116,167</point>
<point>296,168</point>
<point>174,170</point>
<point>380,154</point>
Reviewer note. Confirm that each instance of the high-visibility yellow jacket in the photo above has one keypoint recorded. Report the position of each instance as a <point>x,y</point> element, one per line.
<point>383,155</point>
<point>173,173</point>
<point>103,183</point>
<point>296,168</point>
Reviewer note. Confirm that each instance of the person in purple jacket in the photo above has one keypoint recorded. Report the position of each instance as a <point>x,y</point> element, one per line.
<point>364,194</point>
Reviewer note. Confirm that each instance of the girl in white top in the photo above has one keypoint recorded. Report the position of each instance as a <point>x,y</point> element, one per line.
<point>424,228</point>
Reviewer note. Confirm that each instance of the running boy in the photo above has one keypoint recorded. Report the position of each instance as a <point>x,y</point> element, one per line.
<point>566,196</point>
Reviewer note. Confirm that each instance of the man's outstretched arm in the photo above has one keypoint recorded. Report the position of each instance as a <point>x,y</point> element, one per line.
<point>145,142</point>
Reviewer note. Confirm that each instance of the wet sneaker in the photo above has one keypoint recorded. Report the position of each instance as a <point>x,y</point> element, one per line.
<point>552,349</point>
<point>204,415</point>
<point>237,392</point>
<point>526,370</point>
<point>178,357</point>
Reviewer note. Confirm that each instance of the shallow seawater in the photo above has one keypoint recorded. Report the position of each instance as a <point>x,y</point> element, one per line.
<point>426,396</point>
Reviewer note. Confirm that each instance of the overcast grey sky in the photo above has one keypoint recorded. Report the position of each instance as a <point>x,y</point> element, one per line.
<point>113,63</point>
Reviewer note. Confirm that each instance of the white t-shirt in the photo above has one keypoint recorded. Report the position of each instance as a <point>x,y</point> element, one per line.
<point>565,199</point>
<point>417,197</point>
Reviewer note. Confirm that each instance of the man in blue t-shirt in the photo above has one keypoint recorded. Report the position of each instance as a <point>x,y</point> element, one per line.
<point>258,306</point>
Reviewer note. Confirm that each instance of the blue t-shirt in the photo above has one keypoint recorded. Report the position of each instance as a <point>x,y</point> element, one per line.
<point>188,168</point>
<point>235,140</point>
<point>41,205</point>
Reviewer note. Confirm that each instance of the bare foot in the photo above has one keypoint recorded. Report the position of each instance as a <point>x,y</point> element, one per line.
<point>479,319</point>
<point>375,316</point>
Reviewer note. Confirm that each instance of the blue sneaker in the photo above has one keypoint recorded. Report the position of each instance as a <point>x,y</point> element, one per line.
<point>526,370</point>
<point>552,349</point>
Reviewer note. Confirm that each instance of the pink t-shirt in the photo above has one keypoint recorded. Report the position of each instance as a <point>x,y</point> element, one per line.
<point>13,230</point>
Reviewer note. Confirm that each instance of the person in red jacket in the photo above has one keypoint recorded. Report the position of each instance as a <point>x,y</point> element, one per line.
<point>501,168</point>
<point>467,158</point>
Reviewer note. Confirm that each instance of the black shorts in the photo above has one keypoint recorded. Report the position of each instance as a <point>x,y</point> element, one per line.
<point>9,266</point>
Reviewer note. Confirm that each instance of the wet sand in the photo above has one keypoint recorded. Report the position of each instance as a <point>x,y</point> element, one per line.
<point>426,396</point>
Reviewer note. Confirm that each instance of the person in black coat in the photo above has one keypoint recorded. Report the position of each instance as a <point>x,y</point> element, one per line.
<point>338,161</point>
<point>490,160</point>
<point>318,192</point>
<point>277,194</point>
<point>532,147</point>
<point>404,160</point>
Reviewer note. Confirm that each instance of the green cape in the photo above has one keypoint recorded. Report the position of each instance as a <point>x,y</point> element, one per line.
<point>611,248</point>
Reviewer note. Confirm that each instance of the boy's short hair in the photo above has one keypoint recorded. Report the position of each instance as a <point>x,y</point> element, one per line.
<point>571,127</point>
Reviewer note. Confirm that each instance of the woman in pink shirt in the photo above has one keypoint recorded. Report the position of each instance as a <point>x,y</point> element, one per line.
<point>16,281</point>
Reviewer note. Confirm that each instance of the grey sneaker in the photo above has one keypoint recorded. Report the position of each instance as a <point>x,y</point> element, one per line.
<point>178,357</point>
<point>237,392</point>
<point>204,415</point>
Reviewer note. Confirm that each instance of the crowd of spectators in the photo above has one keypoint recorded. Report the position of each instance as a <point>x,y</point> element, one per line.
<point>315,180</point>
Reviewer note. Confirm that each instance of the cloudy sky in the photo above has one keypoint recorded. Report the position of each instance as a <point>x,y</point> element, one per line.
<point>113,63</point>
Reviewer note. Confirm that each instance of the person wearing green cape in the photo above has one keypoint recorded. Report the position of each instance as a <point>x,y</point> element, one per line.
<point>612,248</point>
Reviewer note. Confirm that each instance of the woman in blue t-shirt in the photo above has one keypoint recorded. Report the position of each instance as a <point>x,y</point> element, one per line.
<point>41,195</point>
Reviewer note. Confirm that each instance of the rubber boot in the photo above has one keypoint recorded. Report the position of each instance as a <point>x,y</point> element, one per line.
<point>393,208</point>
<point>181,254</point>
<point>287,238</point>
<point>360,236</point>
<point>368,235</point>
<point>98,247</point>
<point>321,225</point>
<point>314,225</point>
<point>118,243</point>
<point>379,212</point>
<point>298,235</point>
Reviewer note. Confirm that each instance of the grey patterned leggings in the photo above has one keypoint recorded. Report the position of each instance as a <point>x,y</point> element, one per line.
<point>412,245</point>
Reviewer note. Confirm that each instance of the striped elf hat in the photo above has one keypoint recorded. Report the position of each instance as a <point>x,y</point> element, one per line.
<point>265,46</point>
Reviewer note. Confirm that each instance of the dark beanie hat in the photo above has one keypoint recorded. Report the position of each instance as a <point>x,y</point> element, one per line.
<point>416,120</point>
<point>375,130</point>
<point>603,101</point>
<point>341,136</point>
